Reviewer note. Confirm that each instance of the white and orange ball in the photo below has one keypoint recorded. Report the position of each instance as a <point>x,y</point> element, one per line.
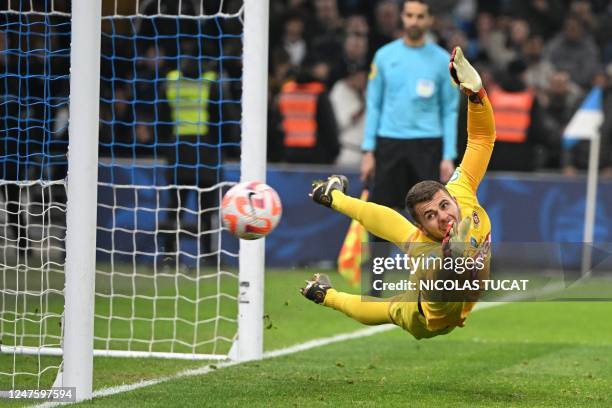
<point>251,210</point>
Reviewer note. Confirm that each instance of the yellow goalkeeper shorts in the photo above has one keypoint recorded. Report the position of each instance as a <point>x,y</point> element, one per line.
<point>404,312</point>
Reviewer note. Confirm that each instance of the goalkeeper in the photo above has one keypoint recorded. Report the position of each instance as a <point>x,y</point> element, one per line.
<point>447,217</point>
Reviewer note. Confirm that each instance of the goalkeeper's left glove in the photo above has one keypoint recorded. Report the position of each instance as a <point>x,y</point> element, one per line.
<point>455,243</point>
<point>322,189</point>
<point>464,75</point>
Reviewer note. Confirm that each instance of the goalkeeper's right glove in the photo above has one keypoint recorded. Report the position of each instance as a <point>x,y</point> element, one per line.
<point>321,190</point>
<point>456,243</point>
<point>464,75</point>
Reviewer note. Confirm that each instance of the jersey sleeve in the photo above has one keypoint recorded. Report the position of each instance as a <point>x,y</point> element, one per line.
<point>374,101</point>
<point>481,138</point>
<point>449,106</point>
<point>379,220</point>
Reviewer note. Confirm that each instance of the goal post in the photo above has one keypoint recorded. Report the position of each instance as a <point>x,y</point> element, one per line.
<point>82,197</point>
<point>253,167</point>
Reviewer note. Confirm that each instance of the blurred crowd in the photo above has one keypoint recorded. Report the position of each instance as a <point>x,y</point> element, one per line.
<point>557,49</point>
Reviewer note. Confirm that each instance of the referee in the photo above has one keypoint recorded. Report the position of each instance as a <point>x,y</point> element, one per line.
<point>411,115</point>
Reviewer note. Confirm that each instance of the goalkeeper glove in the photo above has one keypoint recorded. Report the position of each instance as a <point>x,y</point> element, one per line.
<point>456,244</point>
<point>321,190</point>
<point>465,76</point>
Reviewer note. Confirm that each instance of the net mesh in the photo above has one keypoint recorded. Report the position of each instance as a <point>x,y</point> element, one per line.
<point>170,98</point>
<point>34,61</point>
<point>170,118</point>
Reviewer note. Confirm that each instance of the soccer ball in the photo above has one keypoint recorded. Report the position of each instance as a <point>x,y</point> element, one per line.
<point>251,210</point>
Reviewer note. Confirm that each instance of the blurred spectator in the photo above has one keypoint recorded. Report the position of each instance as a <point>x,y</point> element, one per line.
<point>545,17</point>
<point>310,133</point>
<point>357,24</point>
<point>465,13</point>
<point>327,16</point>
<point>491,40</point>
<point>559,101</point>
<point>146,136</point>
<point>355,48</point>
<point>572,50</point>
<point>604,34</point>
<point>193,92</point>
<point>293,38</point>
<point>513,42</point>
<point>441,8</point>
<point>386,24</point>
<point>518,121</point>
<point>280,70</point>
<point>584,13</point>
<point>122,111</point>
<point>519,34</point>
<point>151,68</point>
<point>348,100</point>
<point>328,29</point>
<point>539,70</point>
<point>458,38</point>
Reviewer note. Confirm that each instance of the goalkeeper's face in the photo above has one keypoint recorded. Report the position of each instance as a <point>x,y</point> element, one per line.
<point>433,216</point>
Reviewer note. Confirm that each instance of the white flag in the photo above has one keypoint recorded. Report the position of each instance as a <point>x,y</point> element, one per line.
<point>586,122</point>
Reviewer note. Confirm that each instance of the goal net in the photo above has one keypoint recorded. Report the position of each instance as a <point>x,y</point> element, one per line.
<point>34,83</point>
<point>171,109</point>
<point>170,119</point>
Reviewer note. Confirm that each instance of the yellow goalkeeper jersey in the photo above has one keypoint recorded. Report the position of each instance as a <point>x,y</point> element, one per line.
<point>390,225</point>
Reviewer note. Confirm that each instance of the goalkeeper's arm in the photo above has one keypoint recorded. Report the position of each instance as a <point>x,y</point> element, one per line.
<point>481,123</point>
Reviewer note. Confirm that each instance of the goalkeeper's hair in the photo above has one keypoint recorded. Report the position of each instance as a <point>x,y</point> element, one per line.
<point>421,193</point>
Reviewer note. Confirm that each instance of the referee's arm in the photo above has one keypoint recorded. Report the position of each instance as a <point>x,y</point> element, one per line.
<point>449,111</point>
<point>374,103</point>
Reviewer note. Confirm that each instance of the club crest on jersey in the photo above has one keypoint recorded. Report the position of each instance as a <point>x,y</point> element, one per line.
<point>476,219</point>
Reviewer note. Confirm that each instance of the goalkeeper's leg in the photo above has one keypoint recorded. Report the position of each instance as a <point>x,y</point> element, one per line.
<point>370,311</point>
<point>364,309</point>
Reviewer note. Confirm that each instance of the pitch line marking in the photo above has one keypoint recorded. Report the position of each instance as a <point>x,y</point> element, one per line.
<point>296,348</point>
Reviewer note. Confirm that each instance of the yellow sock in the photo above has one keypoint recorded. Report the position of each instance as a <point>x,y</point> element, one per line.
<point>371,312</point>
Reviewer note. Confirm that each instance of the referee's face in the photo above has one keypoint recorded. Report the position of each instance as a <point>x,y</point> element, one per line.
<point>416,20</point>
<point>435,215</point>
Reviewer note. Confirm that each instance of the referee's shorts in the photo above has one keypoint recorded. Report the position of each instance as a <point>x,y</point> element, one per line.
<point>400,164</point>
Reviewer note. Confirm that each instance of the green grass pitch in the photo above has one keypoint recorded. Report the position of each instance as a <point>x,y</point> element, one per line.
<point>556,354</point>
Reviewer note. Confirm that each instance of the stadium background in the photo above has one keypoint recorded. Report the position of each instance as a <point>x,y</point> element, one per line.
<point>543,205</point>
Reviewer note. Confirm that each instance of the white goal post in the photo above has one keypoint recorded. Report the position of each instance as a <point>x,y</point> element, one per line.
<point>253,167</point>
<point>82,197</point>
